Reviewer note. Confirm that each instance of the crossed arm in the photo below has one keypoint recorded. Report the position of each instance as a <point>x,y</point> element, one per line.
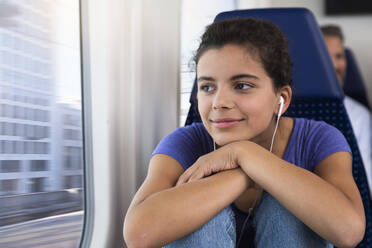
<point>172,202</point>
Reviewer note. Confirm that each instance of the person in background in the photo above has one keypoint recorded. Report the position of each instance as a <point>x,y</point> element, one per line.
<point>359,115</point>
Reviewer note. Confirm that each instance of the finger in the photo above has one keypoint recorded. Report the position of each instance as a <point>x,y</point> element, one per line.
<point>181,180</point>
<point>195,177</point>
<point>185,176</point>
<point>198,174</point>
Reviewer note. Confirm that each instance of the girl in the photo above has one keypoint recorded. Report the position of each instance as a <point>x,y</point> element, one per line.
<point>246,176</point>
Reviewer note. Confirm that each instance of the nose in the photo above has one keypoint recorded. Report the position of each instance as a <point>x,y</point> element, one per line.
<point>223,99</point>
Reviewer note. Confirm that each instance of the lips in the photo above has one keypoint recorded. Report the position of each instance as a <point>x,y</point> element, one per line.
<point>225,122</point>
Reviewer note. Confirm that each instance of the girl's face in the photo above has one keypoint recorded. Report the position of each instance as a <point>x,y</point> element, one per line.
<point>236,97</point>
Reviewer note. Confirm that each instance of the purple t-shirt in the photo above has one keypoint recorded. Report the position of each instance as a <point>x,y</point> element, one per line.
<point>310,143</point>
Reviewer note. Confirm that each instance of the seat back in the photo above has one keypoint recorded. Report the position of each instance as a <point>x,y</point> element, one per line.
<point>354,85</point>
<point>316,92</point>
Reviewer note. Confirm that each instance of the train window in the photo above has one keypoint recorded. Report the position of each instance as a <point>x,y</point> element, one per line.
<point>196,15</point>
<point>41,143</point>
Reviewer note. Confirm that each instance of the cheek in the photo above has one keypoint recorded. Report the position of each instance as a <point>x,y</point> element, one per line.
<point>203,107</point>
<point>259,114</point>
<point>343,65</point>
<point>259,107</point>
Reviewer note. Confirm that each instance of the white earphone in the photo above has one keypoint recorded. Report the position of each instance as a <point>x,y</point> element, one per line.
<point>281,102</point>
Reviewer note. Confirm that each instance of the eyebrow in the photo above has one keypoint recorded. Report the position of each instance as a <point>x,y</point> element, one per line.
<point>239,76</point>
<point>235,77</point>
<point>205,78</point>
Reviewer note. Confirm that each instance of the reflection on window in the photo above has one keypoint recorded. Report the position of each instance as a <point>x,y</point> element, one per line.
<point>41,146</point>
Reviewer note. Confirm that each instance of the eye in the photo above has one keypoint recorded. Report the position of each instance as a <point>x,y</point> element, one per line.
<point>339,56</point>
<point>242,86</point>
<point>206,88</point>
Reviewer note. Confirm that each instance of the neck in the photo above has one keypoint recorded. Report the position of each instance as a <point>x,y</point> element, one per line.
<point>283,136</point>
<point>265,138</point>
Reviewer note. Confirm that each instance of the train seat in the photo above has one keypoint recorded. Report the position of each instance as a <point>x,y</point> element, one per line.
<point>316,92</point>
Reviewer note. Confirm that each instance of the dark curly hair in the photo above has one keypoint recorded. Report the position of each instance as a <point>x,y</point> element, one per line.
<point>259,37</point>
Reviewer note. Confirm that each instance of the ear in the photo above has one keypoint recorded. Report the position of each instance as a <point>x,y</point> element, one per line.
<point>286,93</point>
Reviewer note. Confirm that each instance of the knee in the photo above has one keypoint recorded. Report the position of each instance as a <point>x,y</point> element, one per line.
<point>277,225</point>
<point>271,212</point>
<point>225,219</point>
<point>218,232</point>
<point>222,225</point>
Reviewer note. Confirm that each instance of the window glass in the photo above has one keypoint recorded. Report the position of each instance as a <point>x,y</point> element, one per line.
<point>9,185</point>
<point>7,166</point>
<point>39,165</point>
<point>41,194</point>
<point>196,15</point>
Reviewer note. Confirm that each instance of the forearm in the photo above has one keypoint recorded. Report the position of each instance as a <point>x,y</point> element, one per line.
<point>171,214</point>
<point>317,203</point>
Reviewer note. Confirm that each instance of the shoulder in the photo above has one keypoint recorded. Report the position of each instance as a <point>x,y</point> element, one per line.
<point>318,132</point>
<point>186,144</point>
<point>188,134</point>
<point>311,129</point>
<point>360,118</point>
<point>319,140</point>
<point>355,109</point>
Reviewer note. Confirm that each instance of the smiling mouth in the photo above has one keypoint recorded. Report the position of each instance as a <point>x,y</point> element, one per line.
<point>225,123</point>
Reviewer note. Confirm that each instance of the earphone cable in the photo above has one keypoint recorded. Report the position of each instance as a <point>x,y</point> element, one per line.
<point>273,138</point>
<point>254,203</point>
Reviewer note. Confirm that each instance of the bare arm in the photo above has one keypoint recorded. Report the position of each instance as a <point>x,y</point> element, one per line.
<point>161,213</point>
<point>327,201</point>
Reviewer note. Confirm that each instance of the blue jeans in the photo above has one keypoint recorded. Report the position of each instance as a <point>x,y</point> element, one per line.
<point>275,227</point>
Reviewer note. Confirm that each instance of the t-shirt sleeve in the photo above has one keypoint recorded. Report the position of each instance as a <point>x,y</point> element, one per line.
<point>186,145</point>
<point>325,141</point>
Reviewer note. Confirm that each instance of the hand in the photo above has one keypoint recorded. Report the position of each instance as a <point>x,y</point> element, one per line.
<point>213,162</point>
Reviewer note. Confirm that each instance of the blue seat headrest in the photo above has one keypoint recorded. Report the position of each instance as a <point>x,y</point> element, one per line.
<point>313,72</point>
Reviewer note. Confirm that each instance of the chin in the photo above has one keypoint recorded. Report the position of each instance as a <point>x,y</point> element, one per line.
<point>225,141</point>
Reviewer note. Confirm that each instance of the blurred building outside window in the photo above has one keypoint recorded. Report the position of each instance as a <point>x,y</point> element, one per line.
<point>40,124</point>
